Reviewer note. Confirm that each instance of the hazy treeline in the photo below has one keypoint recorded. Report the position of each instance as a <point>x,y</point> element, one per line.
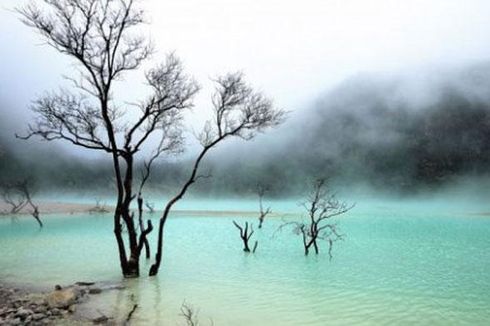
<point>388,133</point>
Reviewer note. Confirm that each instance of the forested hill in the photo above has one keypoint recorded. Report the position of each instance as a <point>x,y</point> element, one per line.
<point>376,131</point>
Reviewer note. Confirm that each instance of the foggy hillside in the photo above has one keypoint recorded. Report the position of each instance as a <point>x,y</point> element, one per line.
<point>392,133</point>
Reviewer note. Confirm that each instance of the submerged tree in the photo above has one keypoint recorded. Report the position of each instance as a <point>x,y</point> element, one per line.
<point>18,196</point>
<point>13,198</point>
<point>191,315</point>
<point>100,36</point>
<point>261,190</point>
<point>321,206</point>
<point>245,234</point>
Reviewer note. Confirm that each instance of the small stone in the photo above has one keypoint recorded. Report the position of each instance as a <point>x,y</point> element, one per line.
<point>15,321</point>
<point>95,290</point>
<point>100,320</point>
<point>23,313</point>
<point>72,308</point>
<point>63,298</point>
<point>84,283</point>
<point>38,316</point>
<point>40,309</point>
<point>55,312</point>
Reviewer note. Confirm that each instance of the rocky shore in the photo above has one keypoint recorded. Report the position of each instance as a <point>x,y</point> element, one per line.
<point>58,307</point>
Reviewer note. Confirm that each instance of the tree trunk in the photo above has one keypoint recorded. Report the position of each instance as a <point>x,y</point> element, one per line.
<point>158,257</point>
<point>132,268</point>
<point>245,245</point>
<point>315,245</point>
<point>140,222</point>
<point>306,250</point>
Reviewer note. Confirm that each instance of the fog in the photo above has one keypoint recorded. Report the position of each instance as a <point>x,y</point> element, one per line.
<point>386,96</point>
<point>402,134</point>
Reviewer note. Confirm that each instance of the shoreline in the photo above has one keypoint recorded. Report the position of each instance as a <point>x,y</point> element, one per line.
<point>55,207</point>
<point>25,304</point>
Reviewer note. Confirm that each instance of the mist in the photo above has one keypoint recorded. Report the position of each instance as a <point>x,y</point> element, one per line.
<point>403,134</point>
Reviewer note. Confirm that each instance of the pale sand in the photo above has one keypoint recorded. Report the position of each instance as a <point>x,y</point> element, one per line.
<point>52,207</point>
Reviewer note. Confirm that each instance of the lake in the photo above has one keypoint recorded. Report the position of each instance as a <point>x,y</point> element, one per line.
<point>401,263</point>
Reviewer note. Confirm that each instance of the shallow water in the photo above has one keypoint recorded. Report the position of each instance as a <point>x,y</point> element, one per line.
<point>399,264</point>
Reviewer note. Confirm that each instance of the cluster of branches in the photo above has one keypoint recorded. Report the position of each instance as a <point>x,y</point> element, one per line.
<point>99,35</point>
<point>261,190</point>
<point>321,206</point>
<point>98,208</point>
<point>245,234</point>
<point>191,315</point>
<point>17,195</point>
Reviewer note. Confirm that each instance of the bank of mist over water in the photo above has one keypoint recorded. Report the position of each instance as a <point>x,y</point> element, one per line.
<point>409,135</point>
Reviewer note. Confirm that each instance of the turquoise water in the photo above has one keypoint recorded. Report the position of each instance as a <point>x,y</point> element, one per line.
<point>400,264</point>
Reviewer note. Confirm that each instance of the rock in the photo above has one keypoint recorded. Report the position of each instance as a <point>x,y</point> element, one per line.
<point>95,290</point>
<point>55,312</point>
<point>63,298</point>
<point>38,316</point>
<point>15,321</point>
<point>84,283</point>
<point>72,308</point>
<point>23,313</point>
<point>40,309</point>
<point>100,320</point>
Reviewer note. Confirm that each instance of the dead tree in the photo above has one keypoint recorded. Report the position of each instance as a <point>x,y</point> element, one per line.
<point>321,206</point>
<point>239,111</point>
<point>101,37</point>
<point>246,234</point>
<point>150,207</point>
<point>24,188</point>
<point>14,198</point>
<point>18,196</point>
<point>261,190</point>
<point>98,208</point>
<point>191,315</point>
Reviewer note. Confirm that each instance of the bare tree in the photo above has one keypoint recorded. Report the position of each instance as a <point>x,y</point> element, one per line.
<point>191,315</point>
<point>150,207</point>
<point>98,207</point>
<point>239,111</point>
<point>12,197</point>
<point>245,235</point>
<point>100,36</point>
<point>18,196</point>
<point>24,188</point>
<point>321,206</point>
<point>261,190</point>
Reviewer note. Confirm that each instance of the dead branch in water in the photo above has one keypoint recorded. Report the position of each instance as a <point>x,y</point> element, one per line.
<point>191,315</point>
<point>245,235</point>
<point>18,196</point>
<point>261,190</point>
<point>98,208</point>
<point>321,206</point>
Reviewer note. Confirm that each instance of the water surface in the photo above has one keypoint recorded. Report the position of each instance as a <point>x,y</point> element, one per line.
<point>399,264</point>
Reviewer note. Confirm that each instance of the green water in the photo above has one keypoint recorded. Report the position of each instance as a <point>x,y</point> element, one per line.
<point>398,265</point>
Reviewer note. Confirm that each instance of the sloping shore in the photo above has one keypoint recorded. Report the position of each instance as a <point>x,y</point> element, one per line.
<point>52,207</point>
<point>70,305</point>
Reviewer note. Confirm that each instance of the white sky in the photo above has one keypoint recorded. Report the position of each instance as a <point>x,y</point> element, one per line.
<point>292,50</point>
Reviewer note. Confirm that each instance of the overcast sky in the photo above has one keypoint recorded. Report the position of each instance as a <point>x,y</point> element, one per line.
<point>292,50</point>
